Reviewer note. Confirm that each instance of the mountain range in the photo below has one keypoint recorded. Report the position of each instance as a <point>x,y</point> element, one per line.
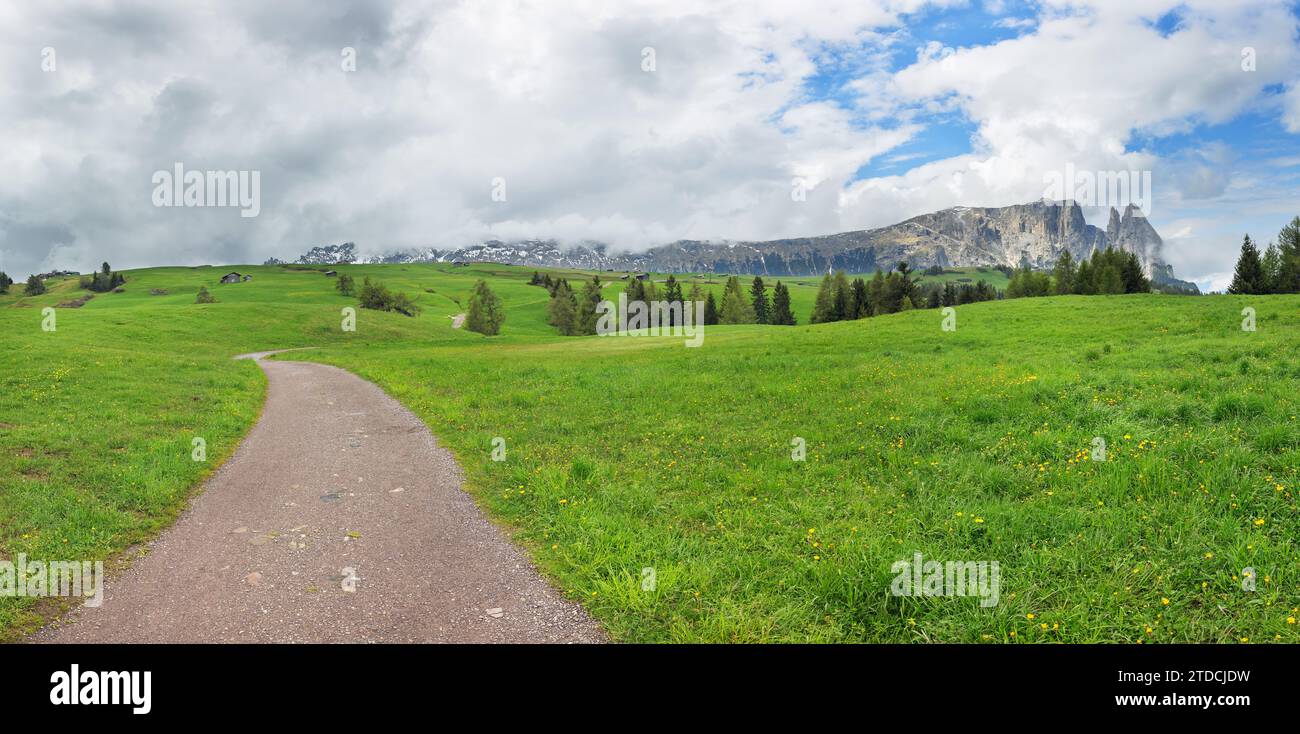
<point>1036,234</point>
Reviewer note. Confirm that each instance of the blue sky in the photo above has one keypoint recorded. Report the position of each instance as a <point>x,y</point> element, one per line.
<point>1222,168</point>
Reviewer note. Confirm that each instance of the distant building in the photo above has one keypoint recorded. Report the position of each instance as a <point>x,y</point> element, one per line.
<point>643,276</point>
<point>231,278</point>
<point>459,264</point>
<point>331,273</point>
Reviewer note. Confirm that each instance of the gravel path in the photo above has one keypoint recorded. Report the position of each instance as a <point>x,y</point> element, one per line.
<point>337,486</point>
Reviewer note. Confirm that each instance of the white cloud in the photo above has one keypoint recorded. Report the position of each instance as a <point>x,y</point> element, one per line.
<point>552,97</point>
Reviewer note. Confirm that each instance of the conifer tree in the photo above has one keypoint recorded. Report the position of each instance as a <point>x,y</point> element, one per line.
<point>587,301</point>
<point>35,286</point>
<point>844,305</point>
<point>1130,271</point>
<point>710,310</point>
<point>1271,266</point>
<point>486,315</point>
<point>562,311</point>
<point>861,303</point>
<point>949,297</point>
<point>1063,274</point>
<point>758,292</point>
<point>1109,281</point>
<point>736,308</point>
<point>876,294</point>
<point>1249,273</point>
<point>1288,246</point>
<point>824,306</point>
<point>672,294</point>
<point>782,314</point>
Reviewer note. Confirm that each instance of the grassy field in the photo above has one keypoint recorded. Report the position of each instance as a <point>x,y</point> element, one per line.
<point>964,276</point>
<point>627,453</point>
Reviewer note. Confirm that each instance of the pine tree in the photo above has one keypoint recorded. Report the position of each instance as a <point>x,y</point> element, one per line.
<point>759,295</point>
<point>935,298</point>
<point>781,311</point>
<point>1288,246</point>
<point>1130,270</point>
<point>1084,282</point>
<point>1271,265</point>
<point>672,294</point>
<point>876,294</point>
<point>562,311</point>
<point>907,286</point>
<point>843,297</point>
<point>736,308</point>
<point>204,296</point>
<point>587,301</point>
<point>824,306</point>
<point>710,310</point>
<point>1063,274</point>
<point>1248,277</point>
<point>1109,281</point>
<point>861,303</point>
<point>949,294</point>
<point>5,282</point>
<point>486,314</point>
<point>635,291</point>
<point>891,298</point>
<point>35,286</point>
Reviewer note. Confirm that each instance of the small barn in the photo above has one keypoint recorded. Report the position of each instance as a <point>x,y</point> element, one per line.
<point>643,276</point>
<point>231,278</point>
<point>331,273</point>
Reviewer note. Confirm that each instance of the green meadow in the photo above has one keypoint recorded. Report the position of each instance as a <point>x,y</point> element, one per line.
<point>631,453</point>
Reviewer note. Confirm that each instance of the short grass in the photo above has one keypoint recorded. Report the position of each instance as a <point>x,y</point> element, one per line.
<point>967,276</point>
<point>626,453</point>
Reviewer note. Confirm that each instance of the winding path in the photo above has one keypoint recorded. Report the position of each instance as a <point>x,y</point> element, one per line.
<point>337,486</point>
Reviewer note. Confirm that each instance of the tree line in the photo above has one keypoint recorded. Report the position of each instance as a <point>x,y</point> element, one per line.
<point>573,313</point>
<point>1277,271</point>
<point>839,299</point>
<point>1107,272</point>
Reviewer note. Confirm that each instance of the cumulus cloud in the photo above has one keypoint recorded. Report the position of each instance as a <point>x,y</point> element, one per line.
<point>555,99</point>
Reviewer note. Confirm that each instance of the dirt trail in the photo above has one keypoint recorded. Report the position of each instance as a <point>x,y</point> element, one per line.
<point>337,486</point>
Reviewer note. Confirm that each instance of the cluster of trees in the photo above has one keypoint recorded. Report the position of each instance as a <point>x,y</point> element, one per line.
<point>5,282</point>
<point>1107,272</point>
<point>35,286</point>
<point>1278,271</point>
<point>486,315</point>
<point>838,299</point>
<point>375,295</point>
<point>573,314</point>
<point>103,281</point>
<point>754,308</point>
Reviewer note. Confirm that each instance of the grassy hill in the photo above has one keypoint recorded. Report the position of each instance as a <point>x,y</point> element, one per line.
<point>627,453</point>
